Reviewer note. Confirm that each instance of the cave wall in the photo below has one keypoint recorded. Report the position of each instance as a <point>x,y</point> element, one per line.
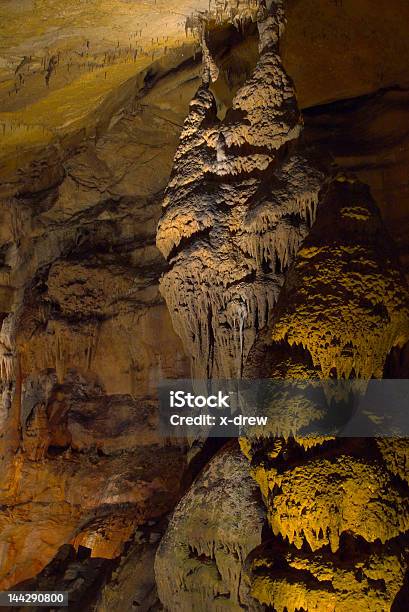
<point>86,344</point>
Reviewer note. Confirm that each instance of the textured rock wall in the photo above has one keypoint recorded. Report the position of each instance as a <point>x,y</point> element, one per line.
<point>84,342</point>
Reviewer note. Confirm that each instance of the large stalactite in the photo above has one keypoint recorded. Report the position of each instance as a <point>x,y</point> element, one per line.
<point>278,265</point>
<point>241,198</point>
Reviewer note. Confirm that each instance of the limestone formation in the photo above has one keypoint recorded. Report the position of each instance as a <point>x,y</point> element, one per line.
<point>82,462</point>
<point>242,196</point>
<point>319,581</point>
<point>343,309</point>
<point>217,523</point>
<point>357,308</point>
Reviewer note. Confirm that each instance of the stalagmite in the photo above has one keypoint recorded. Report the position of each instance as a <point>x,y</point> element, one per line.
<point>241,198</point>
<point>320,581</point>
<point>217,523</point>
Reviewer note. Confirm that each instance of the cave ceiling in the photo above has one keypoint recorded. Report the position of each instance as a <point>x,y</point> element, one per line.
<point>66,67</point>
<point>70,70</point>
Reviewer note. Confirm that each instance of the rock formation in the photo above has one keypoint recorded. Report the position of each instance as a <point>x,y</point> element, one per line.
<point>337,513</point>
<point>242,195</point>
<point>200,559</point>
<point>361,578</point>
<point>338,508</point>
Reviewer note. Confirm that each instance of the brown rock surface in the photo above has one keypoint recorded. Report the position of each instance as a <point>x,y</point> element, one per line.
<point>337,49</point>
<point>85,344</point>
